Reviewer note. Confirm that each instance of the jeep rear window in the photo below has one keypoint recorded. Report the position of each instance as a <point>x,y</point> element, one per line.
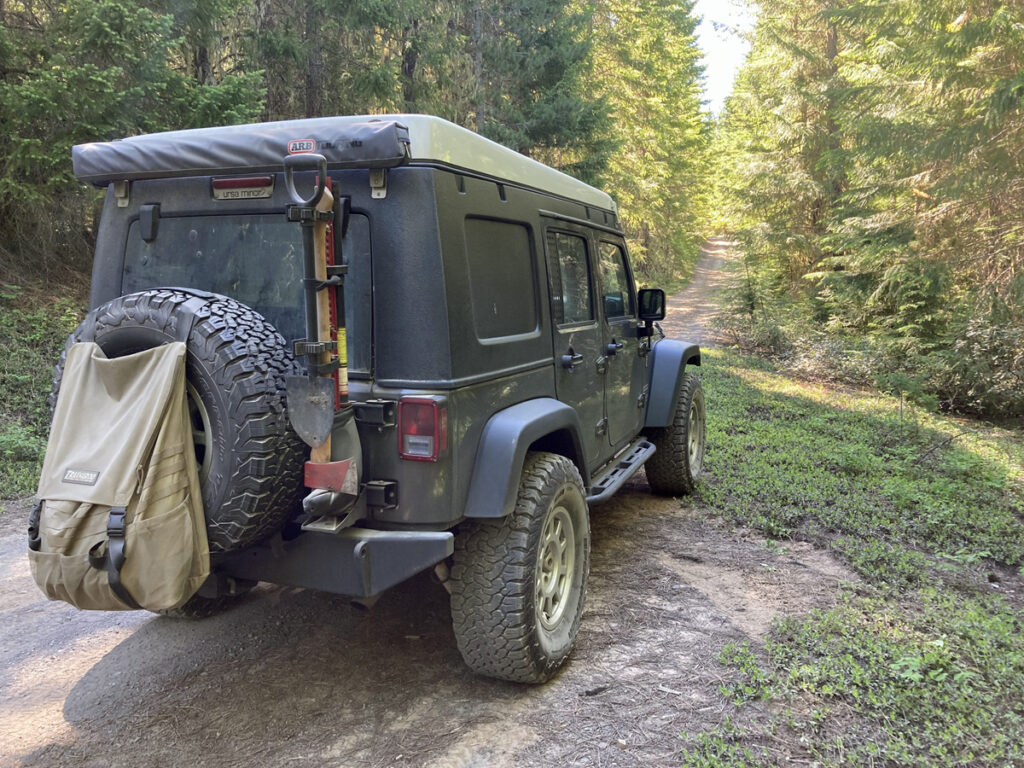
<point>256,259</point>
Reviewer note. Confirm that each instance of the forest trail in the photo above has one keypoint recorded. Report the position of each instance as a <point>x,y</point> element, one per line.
<point>690,310</point>
<point>298,677</point>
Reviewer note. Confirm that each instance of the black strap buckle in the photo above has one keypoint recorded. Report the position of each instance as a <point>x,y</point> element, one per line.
<point>116,555</point>
<point>306,215</point>
<point>115,523</point>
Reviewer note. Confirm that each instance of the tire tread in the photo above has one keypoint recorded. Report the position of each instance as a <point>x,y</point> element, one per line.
<point>492,600</point>
<point>248,360</point>
<point>668,470</point>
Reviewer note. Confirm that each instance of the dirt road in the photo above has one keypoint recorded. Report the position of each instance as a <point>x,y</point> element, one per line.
<point>293,677</point>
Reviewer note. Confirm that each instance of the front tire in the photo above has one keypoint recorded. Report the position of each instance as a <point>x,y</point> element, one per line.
<point>519,584</point>
<point>679,459</point>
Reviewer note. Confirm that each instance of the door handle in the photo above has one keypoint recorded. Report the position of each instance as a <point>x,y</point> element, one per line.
<point>571,360</point>
<point>614,347</point>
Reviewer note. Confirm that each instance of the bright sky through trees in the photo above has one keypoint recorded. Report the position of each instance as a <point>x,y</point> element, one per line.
<point>721,35</point>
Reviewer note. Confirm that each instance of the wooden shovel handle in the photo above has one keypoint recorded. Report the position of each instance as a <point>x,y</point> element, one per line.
<point>322,454</point>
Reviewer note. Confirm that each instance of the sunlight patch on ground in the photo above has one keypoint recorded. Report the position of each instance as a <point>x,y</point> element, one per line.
<point>1000,447</point>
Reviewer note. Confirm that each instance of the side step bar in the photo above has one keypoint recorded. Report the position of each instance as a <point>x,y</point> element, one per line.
<point>620,470</point>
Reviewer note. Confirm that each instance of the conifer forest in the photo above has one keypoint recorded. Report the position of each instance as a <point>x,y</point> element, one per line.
<point>868,161</point>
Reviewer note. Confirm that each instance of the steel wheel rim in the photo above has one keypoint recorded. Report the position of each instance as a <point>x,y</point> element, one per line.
<point>695,446</point>
<point>556,562</point>
<point>199,421</point>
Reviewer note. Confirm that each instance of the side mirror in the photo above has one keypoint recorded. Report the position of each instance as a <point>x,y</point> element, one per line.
<point>652,304</point>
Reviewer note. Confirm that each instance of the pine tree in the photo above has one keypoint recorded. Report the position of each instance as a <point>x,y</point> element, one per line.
<point>648,66</point>
<point>877,176</point>
<point>81,71</point>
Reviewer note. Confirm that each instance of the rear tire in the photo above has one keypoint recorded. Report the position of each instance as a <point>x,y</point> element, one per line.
<point>675,466</point>
<point>198,607</point>
<point>519,584</point>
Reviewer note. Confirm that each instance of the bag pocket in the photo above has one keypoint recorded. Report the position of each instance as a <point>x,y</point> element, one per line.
<point>70,578</point>
<point>159,551</point>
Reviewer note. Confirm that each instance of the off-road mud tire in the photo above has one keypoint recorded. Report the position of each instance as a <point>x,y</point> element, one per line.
<point>495,607</point>
<point>236,362</point>
<point>673,469</point>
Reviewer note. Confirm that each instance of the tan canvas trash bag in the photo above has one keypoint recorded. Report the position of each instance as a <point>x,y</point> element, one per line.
<point>121,520</point>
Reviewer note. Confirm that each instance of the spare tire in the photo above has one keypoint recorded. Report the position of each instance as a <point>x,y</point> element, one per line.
<point>250,460</point>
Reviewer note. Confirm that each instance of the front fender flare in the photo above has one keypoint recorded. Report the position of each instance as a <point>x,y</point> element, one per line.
<point>506,438</point>
<point>669,359</point>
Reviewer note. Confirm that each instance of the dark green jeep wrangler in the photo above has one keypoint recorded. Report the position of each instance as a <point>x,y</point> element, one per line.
<point>490,371</point>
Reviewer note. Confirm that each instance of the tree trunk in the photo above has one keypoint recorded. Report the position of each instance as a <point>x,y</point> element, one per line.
<point>202,71</point>
<point>314,61</point>
<point>478,67</point>
<point>409,56</point>
<point>836,180</point>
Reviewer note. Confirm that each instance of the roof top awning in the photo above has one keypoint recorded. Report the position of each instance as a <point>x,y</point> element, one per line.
<point>242,149</point>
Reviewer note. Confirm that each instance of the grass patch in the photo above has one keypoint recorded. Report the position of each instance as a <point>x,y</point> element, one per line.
<point>883,484</point>
<point>32,331</point>
<point>923,665</point>
<point>935,681</point>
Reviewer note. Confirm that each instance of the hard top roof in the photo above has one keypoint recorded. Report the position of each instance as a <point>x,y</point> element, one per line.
<point>358,141</point>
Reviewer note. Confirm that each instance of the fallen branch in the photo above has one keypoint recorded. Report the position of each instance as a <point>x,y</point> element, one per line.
<point>938,445</point>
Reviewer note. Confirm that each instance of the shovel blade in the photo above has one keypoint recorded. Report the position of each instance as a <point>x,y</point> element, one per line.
<point>311,408</point>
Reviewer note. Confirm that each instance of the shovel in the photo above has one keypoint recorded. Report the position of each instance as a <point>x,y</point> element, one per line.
<point>311,397</point>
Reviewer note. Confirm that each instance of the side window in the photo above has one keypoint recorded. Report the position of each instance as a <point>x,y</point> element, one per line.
<point>618,298</point>
<point>569,274</point>
<point>501,278</point>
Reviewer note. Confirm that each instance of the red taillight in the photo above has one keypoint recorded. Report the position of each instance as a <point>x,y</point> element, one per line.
<point>422,429</point>
<point>243,188</point>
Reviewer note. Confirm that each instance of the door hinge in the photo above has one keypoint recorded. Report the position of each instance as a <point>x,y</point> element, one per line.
<point>602,427</point>
<point>602,364</point>
<point>122,193</point>
<point>378,183</point>
<point>642,400</point>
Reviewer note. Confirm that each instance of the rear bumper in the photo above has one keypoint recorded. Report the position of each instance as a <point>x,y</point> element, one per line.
<point>357,561</point>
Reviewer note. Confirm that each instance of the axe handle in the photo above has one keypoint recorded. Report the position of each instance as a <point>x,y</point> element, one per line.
<point>322,454</point>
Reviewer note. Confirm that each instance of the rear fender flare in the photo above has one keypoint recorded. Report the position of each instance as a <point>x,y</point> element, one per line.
<point>668,363</point>
<point>541,424</point>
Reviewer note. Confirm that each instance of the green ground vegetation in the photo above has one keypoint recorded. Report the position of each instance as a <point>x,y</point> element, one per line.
<point>32,334</point>
<point>922,663</point>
